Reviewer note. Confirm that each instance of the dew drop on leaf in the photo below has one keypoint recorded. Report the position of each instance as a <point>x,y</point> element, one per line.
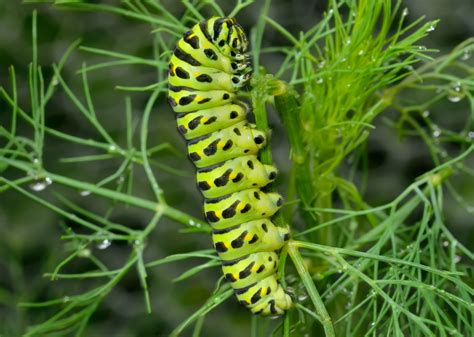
<point>104,244</point>
<point>466,55</point>
<point>455,93</point>
<point>436,131</point>
<point>301,298</point>
<point>41,184</point>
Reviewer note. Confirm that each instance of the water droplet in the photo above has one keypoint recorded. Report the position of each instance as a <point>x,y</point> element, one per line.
<point>302,297</point>
<point>137,243</point>
<point>372,323</point>
<point>41,184</point>
<point>54,81</point>
<point>36,161</point>
<point>405,12</point>
<point>457,259</point>
<point>436,131</point>
<point>321,64</point>
<point>361,52</point>
<point>112,148</point>
<point>454,98</point>
<point>426,113</point>
<point>84,253</point>
<point>466,56</point>
<point>421,48</point>
<point>319,80</point>
<point>348,41</point>
<point>455,93</point>
<point>66,299</point>
<point>431,28</point>
<point>470,136</point>
<point>445,243</point>
<point>104,244</point>
<point>84,193</point>
<point>443,153</point>
<point>193,223</point>
<point>330,11</point>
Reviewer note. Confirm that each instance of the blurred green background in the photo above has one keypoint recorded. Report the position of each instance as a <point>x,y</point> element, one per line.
<point>30,235</point>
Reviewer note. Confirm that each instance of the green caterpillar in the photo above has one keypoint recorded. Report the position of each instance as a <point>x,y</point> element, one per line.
<point>208,67</point>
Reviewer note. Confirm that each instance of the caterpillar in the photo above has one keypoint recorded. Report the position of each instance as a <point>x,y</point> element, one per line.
<point>207,69</point>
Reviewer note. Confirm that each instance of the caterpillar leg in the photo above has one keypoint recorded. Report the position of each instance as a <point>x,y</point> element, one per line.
<point>265,297</point>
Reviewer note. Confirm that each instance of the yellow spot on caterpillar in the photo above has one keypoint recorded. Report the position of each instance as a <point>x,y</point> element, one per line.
<point>255,268</point>
<point>204,120</point>
<point>248,237</point>
<point>240,206</point>
<point>233,175</point>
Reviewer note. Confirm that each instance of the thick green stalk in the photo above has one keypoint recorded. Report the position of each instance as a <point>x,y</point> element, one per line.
<point>289,109</point>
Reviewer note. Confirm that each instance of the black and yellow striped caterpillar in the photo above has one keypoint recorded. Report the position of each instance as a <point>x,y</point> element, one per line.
<point>208,67</point>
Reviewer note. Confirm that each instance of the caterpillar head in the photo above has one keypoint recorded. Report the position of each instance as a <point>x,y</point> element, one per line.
<point>227,35</point>
<point>238,40</point>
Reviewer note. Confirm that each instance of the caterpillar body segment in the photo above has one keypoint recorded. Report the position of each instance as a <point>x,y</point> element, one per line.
<point>247,238</point>
<point>229,143</point>
<point>202,122</point>
<point>234,175</point>
<point>207,69</point>
<point>241,207</point>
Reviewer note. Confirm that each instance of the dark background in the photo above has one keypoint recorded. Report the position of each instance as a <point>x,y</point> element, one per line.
<point>29,234</point>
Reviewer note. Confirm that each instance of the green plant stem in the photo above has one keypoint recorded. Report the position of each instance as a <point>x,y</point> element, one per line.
<point>313,293</point>
<point>288,108</point>
<point>167,210</point>
<point>259,97</point>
